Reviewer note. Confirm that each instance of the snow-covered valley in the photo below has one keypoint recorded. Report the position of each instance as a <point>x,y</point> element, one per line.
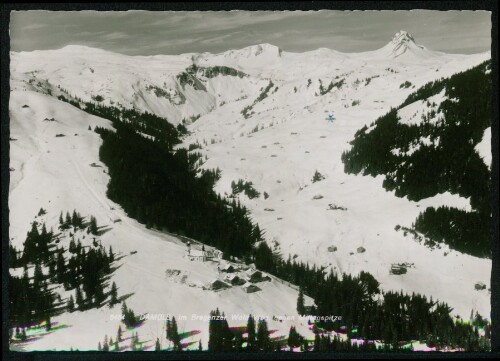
<point>277,144</point>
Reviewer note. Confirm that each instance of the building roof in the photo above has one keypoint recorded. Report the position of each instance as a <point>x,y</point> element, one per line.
<point>219,283</point>
<point>253,272</point>
<point>251,288</point>
<point>227,266</point>
<point>197,253</point>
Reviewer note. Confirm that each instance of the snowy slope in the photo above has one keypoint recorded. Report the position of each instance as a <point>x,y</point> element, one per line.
<point>126,81</point>
<point>55,173</point>
<point>278,148</point>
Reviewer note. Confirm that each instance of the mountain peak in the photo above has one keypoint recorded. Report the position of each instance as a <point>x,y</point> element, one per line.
<point>402,37</point>
<point>84,49</point>
<point>258,49</point>
<point>403,42</point>
<point>75,47</point>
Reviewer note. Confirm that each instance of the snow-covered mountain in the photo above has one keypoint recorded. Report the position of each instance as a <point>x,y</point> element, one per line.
<point>258,114</point>
<point>403,46</point>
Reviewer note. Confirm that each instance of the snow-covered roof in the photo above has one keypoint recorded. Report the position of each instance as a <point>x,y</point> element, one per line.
<point>252,272</point>
<point>252,288</point>
<point>197,253</point>
<point>219,282</point>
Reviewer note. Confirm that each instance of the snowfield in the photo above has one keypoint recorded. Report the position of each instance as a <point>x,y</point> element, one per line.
<point>278,148</point>
<point>484,147</point>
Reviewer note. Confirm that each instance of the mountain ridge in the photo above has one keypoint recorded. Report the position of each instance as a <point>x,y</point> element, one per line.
<point>401,40</point>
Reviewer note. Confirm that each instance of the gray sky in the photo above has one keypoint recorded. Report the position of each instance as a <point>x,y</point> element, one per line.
<point>150,33</point>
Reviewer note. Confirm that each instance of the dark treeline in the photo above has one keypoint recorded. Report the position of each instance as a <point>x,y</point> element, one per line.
<point>435,224</point>
<point>449,163</point>
<point>84,269</point>
<point>256,337</point>
<point>366,311</point>
<point>145,123</point>
<point>222,338</point>
<point>163,189</point>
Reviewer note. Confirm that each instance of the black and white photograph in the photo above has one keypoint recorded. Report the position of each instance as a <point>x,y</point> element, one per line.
<point>250,181</point>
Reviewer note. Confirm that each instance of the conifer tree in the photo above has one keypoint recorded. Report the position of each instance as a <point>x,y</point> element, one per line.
<point>72,246</point>
<point>200,346</point>
<point>67,222</point>
<point>173,329</point>
<point>99,347</point>
<point>157,345</point>
<point>124,309</point>
<point>13,256</point>
<point>251,333</point>
<point>220,335</point>
<point>294,339</point>
<point>136,337</point>
<point>48,323</point>
<point>305,345</point>
<point>93,225</point>
<point>263,339</point>
<point>99,296</point>
<point>300,303</point>
<point>214,335</point>
<point>174,334</point>
<point>60,266</point>
<point>105,345</point>
<point>129,318</point>
<point>74,218</point>
<point>38,277</point>
<point>119,334</point>
<point>227,335</point>
<point>168,329</point>
<point>238,342</point>
<point>113,295</point>
<point>79,298</point>
<point>317,342</point>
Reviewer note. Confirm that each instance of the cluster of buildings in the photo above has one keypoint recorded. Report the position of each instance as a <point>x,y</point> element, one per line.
<point>230,275</point>
<point>234,276</point>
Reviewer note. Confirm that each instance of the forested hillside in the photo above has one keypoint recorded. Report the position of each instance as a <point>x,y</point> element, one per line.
<point>162,188</point>
<point>61,271</point>
<point>435,155</point>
